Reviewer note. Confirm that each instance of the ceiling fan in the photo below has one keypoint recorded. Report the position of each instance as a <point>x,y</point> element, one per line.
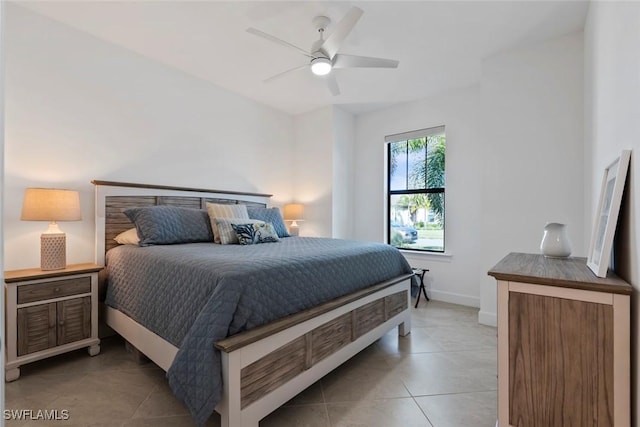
<point>323,55</point>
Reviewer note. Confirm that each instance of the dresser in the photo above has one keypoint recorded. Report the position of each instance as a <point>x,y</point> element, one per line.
<point>563,344</point>
<point>50,312</point>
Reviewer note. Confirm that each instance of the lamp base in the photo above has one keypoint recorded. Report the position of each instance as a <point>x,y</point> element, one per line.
<point>294,230</point>
<point>53,251</point>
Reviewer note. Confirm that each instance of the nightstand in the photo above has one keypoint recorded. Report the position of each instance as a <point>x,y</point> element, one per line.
<point>49,313</point>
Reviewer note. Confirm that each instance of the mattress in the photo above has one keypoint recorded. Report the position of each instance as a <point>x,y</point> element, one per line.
<point>195,294</point>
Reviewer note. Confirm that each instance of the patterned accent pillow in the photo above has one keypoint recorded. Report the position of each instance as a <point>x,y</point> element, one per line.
<point>167,225</point>
<point>271,215</point>
<point>250,234</point>
<point>228,235</point>
<point>216,210</point>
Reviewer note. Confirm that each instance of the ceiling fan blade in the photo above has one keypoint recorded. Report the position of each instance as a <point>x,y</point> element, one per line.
<point>277,76</point>
<point>332,84</point>
<point>274,39</point>
<point>341,31</point>
<point>353,61</point>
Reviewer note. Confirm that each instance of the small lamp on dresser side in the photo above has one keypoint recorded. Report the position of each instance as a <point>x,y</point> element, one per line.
<point>51,204</point>
<point>294,212</point>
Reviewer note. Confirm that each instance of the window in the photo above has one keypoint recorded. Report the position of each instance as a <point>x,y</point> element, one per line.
<point>416,185</point>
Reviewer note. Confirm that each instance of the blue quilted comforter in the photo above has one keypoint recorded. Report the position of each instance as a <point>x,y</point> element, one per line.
<point>195,294</point>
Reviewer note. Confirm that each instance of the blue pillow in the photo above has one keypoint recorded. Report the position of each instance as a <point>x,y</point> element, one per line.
<point>167,225</point>
<point>271,215</point>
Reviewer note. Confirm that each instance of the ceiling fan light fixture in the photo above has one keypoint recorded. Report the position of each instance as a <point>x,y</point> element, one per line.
<point>321,66</point>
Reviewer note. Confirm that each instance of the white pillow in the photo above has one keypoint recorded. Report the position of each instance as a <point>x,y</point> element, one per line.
<point>228,235</point>
<point>216,210</point>
<point>129,237</point>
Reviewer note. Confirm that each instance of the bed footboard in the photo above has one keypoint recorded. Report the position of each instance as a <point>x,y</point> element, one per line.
<point>265,367</point>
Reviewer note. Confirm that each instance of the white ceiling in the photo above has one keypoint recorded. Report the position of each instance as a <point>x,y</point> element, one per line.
<point>440,45</point>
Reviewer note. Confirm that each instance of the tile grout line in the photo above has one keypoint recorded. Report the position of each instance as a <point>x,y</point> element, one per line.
<point>133,416</point>
<point>423,411</point>
<point>324,403</point>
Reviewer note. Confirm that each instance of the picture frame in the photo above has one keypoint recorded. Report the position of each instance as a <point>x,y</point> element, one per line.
<point>607,214</point>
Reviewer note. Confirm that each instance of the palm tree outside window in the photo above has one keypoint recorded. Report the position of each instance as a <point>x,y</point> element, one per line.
<point>416,190</point>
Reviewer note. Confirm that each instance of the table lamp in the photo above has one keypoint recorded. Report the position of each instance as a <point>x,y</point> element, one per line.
<point>51,204</point>
<point>294,212</point>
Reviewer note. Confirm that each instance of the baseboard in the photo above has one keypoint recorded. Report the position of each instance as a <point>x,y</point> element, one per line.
<point>488,318</point>
<point>460,299</point>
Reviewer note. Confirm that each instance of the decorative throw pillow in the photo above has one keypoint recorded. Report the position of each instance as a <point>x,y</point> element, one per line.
<point>271,215</point>
<point>227,234</point>
<point>166,225</point>
<point>249,234</point>
<point>129,237</point>
<point>216,210</point>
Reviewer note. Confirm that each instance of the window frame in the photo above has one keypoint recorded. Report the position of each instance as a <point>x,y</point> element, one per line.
<point>405,137</point>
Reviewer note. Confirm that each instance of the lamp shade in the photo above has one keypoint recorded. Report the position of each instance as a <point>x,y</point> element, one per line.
<point>293,212</point>
<point>51,204</point>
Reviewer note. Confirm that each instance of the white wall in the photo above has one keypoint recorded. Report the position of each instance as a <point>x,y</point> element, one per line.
<point>453,278</point>
<point>313,170</point>
<point>532,134</point>
<point>344,135</point>
<point>78,109</point>
<point>323,171</point>
<point>514,162</point>
<point>612,110</point>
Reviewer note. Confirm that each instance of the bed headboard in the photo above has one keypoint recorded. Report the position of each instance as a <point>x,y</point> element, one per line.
<point>112,198</point>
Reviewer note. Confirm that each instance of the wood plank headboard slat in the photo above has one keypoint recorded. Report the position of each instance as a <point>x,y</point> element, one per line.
<point>113,198</point>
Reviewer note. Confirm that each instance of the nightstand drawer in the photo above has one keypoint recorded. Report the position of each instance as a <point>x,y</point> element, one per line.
<point>53,289</point>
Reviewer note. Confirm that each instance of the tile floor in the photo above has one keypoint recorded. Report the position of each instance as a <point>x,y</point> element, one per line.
<point>442,375</point>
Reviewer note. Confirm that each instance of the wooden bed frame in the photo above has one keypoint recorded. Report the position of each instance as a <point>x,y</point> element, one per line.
<point>263,367</point>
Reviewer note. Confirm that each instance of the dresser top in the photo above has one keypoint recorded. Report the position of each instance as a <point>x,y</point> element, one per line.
<point>36,273</point>
<point>569,272</point>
